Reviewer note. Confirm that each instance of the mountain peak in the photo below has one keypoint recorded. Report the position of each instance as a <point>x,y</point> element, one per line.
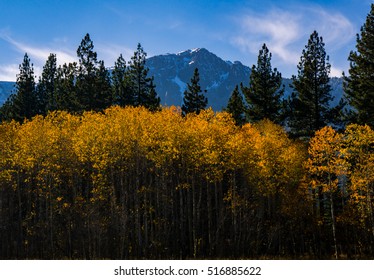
<point>191,51</point>
<point>172,72</point>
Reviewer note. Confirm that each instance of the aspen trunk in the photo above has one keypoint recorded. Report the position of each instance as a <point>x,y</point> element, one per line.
<point>333,225</point>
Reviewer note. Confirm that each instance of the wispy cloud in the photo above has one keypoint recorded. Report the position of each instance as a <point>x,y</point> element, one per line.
<point>278,29</point>
<point>110,52</point>
<point>38,53</point>
<point>38,56</point>
<point>336,29</point>
<point>286,32</point>
<point>8,72</point>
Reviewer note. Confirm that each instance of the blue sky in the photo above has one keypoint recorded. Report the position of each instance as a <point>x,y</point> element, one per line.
<point>233,30</point>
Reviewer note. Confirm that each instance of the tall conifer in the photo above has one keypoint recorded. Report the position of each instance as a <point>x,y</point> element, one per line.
<point>65,94</point>
<point>104,95</point>
<point>46,86</point>
<point>87,73</point>
<point>236,107</point>
<point>359,85</point>
<point>154,100</point>
<point>23,103</point>
<point>122,93</point>
<point>142,87</point>
<point>310,100</point>
<point>265,91</point>
<point>194,100</point>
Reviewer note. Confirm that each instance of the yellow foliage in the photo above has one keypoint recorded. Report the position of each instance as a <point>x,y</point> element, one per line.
<point>278,159</point>
<point>359,158</point>
<point>141,167</point>
<point>325,161</point>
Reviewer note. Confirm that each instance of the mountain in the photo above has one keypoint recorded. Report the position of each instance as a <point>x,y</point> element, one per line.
<point>172,72</point>
<point>5,90</point>
<point>336,89</point>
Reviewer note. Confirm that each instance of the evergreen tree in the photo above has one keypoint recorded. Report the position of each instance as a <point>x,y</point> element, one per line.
<point>265,90</point>
<point>236,107</point>
<point>23,103</point>
<point>142,87</point>
<point>122,93</point>
<point>359,85</point>
<point>46,86</point>
<point>65,94</point>
<point>153,99</point>
<point>104,97</point>
<point>194,100</point>
<point>309,103</point>
<point>86,84</point>
<point>6,110</point>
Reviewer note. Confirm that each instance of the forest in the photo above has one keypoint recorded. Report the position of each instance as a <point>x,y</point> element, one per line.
<point>92,167</point>
<point>129,183</point>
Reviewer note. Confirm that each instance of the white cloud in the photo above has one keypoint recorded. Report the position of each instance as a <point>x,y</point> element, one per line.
<point>278,29</point>
<point>8,72</point>
<point>335,72</point>
<point>287,32</point>
<point>336,29</point>
<point>37,55</point>
<point>42,54</point>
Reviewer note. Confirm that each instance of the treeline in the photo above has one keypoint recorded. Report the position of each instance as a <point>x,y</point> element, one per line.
<point>83,86</point>
<point>130,183</point>
<point>88,85</point>
<point>308,109</point>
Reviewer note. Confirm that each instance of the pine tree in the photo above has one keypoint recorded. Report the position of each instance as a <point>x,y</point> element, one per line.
<point>6,110</point>
<point>122,93</point>
<point>194,100</point>
<point>154,100</point>
<point>46,86</point>
<point>23,103</point>
<point>141,85</point>
<point>104,96</point>
<point>359,85</point>
<point>265,90</point>
<point>236,107</point>
<point>309,103</point>
<point>87,74</point>
<point>65,93</point>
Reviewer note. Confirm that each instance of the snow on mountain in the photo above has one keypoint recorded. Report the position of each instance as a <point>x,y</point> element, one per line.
<point>182,85</point>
